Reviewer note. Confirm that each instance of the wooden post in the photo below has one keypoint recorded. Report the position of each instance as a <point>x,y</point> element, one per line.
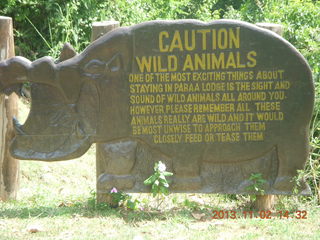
<point>101,28</point>
<point>9,167</point>
<point>98,30</point>
<point>266,202</point>
<point>277,28</point>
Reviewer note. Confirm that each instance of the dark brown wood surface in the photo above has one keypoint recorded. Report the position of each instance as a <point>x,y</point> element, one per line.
<point>98,30</point>
<point>267,202</point>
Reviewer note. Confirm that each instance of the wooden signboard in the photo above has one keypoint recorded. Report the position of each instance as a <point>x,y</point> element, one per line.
<point>217,102</point>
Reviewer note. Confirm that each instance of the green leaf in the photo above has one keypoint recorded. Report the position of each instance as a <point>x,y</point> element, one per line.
<point>164,190</point>
<point>150,180</point>
<point>167,174</point>
<point>162,177</point>
<point>131,205</point>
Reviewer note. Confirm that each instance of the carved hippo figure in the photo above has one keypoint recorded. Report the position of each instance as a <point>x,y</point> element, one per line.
<point>216,101</point>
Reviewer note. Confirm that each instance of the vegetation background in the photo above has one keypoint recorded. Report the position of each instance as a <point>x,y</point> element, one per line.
<point>41,27</point>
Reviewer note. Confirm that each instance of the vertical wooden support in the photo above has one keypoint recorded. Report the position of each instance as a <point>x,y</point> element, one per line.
<point>9,167</point>
<point>98,30</point>
<point>101,28</point>
<point>266,202</point>
<point>277,28</point>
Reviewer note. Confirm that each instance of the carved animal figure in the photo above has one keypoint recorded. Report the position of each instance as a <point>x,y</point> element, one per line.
<point>85,98</point>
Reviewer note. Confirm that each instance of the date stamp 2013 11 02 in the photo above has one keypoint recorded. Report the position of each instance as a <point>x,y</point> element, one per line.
<point>246,214</point>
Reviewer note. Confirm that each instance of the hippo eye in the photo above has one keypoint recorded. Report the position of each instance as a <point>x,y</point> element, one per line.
<point>114,64</point>
<point>94,68</point>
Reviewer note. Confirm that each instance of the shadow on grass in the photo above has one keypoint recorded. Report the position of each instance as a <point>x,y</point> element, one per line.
<point>89,209</point>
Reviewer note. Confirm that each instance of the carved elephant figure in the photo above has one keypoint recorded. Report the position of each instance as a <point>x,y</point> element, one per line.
<point>85,98</point>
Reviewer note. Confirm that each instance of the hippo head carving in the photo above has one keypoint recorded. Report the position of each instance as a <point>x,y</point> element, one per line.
<point>66,97</point>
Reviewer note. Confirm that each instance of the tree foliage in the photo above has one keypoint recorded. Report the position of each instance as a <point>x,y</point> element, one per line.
<point>42,26</point>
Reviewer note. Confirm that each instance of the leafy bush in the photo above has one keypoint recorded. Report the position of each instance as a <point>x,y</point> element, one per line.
<point>43,26</point>
<point>159,183</point>
<point>301,21</point>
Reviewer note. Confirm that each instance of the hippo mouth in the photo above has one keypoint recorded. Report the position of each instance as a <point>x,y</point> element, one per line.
<point>52,131</point>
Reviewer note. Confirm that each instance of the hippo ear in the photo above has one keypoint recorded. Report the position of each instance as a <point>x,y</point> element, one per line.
<point>115,63</point>
<point>67,52</point>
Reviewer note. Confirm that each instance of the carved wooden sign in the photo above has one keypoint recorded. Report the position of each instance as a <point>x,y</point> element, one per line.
<point>215,101</point>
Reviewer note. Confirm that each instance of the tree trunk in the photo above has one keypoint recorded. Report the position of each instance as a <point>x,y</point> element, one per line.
<point>9,167</point>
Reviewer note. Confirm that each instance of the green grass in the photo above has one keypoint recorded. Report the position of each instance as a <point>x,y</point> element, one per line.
<point>79,220</point>
<point>58,200</point>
